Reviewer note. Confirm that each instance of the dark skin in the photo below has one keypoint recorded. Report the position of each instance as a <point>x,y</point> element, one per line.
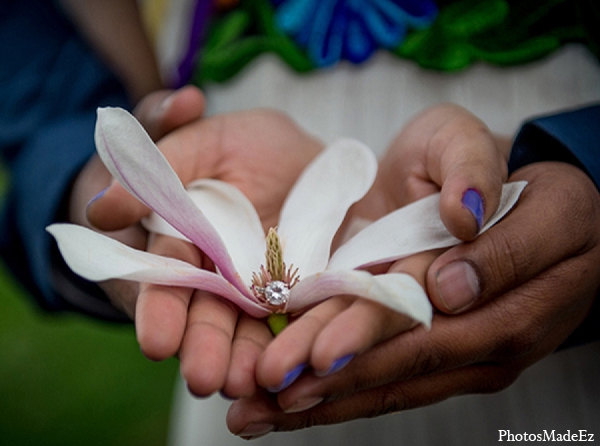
<point>533,295</point>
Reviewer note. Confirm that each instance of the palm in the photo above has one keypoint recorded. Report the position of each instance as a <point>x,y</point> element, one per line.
<point>260,152</point>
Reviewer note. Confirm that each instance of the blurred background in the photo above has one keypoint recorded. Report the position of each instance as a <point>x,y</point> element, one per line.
<point>71,380</point>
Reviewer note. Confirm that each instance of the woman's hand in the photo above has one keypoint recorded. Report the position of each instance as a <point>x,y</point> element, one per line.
<point>261,152</point>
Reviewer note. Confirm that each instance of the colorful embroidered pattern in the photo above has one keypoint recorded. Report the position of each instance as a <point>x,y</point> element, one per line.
<point>331,30</point>
<point>441,35</point>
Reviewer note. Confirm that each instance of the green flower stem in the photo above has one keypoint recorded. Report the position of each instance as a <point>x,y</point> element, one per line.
<point>277,322</point>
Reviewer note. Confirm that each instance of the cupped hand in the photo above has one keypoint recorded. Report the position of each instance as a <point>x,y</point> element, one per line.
<point>159,112</point>
<point>535,292</point>
<point>262,153</point>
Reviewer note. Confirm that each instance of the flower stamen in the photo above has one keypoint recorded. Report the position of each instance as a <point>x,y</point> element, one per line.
<point>272,284</point>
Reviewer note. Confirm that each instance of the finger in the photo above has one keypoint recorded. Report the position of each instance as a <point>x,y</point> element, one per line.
<point>161,311</point>
<point>206,348</point>
<point>481,351</point>
<point>193,152</point>
<point>114,209</point>
<point>334,332</point>
<point>159,113</point>
<point>250,340</point>
<point>466,162</point>
<point>163,111</point>
<point>365,323</point>
<point>554,206</point>
<point>244,415</point>
<point>287,356</point>
<point>448,148</point>
<point>249,414</point>
<point>519,328</point>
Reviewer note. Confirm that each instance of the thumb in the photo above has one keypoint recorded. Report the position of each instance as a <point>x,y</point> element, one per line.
<point>159,113</point>
<point>516,250</point>
<point>163,111</point>
<point>472,170</point>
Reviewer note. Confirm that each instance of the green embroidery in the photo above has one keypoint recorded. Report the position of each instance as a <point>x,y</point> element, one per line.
<point>500,32</point>
<point>242,35</point>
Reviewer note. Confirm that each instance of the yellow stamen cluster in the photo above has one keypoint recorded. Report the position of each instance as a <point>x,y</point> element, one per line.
<point>275,269</point>
<point>274,255</point>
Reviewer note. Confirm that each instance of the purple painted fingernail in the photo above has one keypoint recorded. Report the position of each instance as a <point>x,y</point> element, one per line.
<point>474,203</point>
<point>289,378</point>
<point>337,365</point>
<point>99,195</point>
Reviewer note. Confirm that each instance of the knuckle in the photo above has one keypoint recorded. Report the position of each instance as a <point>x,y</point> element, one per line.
<point>504,255</point>
<point>391,399</point>
<point>583,208</point>
<point>429,359</point>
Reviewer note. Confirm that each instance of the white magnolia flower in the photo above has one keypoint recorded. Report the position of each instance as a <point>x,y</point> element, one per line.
<point>288,270</point>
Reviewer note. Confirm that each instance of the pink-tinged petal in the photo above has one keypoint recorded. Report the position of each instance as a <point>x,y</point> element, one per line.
<point>414,228</point>
<point>317,204</point>
<point>400,292</point>
<point>97,258</point>
<point>234,218</point>
<point>135,161</point>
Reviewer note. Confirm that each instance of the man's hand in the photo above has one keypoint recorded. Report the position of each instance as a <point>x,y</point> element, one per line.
<point>446,148</point>
<point>531,295</point>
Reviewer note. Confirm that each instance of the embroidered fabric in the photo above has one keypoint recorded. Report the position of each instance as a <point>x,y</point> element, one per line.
<point>223,36</point>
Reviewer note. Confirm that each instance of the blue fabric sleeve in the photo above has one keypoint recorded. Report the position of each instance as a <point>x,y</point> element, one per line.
<point>572,137</point>
<point>50,86</point>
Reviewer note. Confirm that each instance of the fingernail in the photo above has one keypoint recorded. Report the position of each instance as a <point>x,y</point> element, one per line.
<point>474,203</point>
<point>289,378</point>
<point>99,195</point>
<point>336,366</point>
<point>458,285</point>
<point>166,102</point>
<point>304,404</point>
<point>256,430</point>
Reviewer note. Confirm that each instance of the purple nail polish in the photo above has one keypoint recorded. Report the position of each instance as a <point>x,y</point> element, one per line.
<point>289,378</point>
<point>99,195</point>
<point>474,203</point>
<point>337,365</point>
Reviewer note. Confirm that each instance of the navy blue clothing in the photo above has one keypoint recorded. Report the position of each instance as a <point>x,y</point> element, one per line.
<point>51,83</point>
<point>572,136</point>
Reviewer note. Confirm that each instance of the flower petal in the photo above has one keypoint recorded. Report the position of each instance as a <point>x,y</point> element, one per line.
<point>97,257</point>
<point>411,229</point>
<point>400,292</point>
<point>135,161</point>
<point>234,218</point>
<point>317,204</point>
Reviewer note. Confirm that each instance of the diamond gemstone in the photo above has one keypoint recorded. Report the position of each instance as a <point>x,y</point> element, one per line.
<point>277,293</point>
